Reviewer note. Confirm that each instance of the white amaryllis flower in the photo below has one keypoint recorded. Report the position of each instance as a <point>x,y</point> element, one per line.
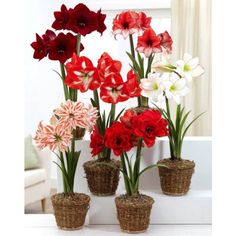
<point>175,88</point>
<point>152,87</point>
<point>162,63</point>
<point>189,67</point>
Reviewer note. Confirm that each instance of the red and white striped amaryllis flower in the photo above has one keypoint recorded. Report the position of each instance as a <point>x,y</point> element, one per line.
<point>149,43</point>
<point>114,90</point>
<point>106,66</point>
<point>53,137</point>
<point>81,74</point>
<point>72,114</point>
<point>133,84</point>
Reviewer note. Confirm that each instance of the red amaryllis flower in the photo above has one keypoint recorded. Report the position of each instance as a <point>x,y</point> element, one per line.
<point>81,74</point>
<point>166,41</point>
<point>143,21</point>
<point>126,119</point>
<point>149,43</point>
<point>63,47</point>
<point>101,27</point>
<point>149,125</point>
<point>97,142</point>
<point>106,66</point>
<point>82,20</point>
<point>61,18</point>
<point>125,24</point>
<point>41,46</point>
<point>132,84</point>
<point>118,138</point>
<point>114,90</point>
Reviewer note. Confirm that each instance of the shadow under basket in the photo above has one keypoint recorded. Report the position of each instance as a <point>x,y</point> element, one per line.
<point>175,176</point>
<point>133,212</point>
<point>70,209</point>
<point>102,176</point>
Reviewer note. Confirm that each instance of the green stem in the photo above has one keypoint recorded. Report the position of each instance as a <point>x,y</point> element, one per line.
<point>63,74</point>
<point>127,186</point>
<point>96,99</point>
<point>113,111</point>
<point>131,41</point>
<point>137,165</point>
<point>78,44</point>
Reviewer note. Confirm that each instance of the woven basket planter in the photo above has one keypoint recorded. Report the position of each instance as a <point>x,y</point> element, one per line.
<point>102,177</point>
<point>176,177</point>
<point>133,213</point>
<point>70,209</point>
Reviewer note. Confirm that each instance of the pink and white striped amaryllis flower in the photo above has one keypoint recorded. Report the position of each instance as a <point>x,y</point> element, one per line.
<point>189,67</point>
<point>53,137</point>
<point>72,114</point>
<point>91,117</point>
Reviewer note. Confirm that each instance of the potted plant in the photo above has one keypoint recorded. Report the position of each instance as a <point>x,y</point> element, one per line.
<point>73,24</point>
<point>134,130</point>
<point>70,208</point>
<point>170,82</point>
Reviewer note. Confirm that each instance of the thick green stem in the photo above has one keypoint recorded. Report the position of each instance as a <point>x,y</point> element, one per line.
<point>96,99</point>
<point>113,111</point>
<point>131,41</point>
<point>124,169</point>
<point>78,44</point>
<point>66,93</point>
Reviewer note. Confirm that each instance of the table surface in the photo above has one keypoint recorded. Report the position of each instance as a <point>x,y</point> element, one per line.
<point>41,224</point>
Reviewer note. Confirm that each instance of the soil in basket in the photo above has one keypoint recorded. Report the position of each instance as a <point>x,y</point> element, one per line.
<point>177,164</point>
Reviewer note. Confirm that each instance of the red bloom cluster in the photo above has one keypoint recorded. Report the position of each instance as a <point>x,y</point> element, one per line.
<point>57,47</point>
<point>80,20</point>
<point>124,134</point>
<point>130,22</point>
<point>166,41</point>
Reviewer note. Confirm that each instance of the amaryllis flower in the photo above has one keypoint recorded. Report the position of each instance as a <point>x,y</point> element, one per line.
<point>72,114</point>
<point>166,41</point>
<point>91,117</point>
<point>152,87</point>
<point>61,18</point>
<point>175,88</point>
<point>97,142</point>
<point>162,63</point>
<point>143,21</point>
<point>81,74</point>
<point>125,23</point>
<point>189,67</point>
<point>114,90</point>
<point>149,125</point>
<point>132,84</point>
<point>63,47</point>
<point>106,66</point>
<point>149,43</point>
<point>82,20</point>
<point>41,45</point>
<point>118,138</point>
<point>101,27</point>
<point>126,119</point>
<point>53,137</point>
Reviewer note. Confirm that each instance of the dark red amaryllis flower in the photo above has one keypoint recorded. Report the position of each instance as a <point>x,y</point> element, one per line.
<point>149,43</point>
<point>101,27</point>
<point>132,84</point>
<point>61,18</point>
<point>125,23</point>
<point>114,90</point>
<point>97,142</point>
<point>149,125</point>
<point>106,66</point>
<point>81,74</point>
<point>143,21</point>
<point>82,20</point>
<point>63,47</point>
<point>166,41</point>
<point>41,45</point>
<point>118,138</point>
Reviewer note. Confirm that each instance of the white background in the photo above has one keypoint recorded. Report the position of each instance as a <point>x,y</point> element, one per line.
<point>12,117</point>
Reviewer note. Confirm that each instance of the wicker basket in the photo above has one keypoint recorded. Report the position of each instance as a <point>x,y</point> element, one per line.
<point>102,177</point>
<point>176,176</point>
<point>133,213</point>
<point>70,209</point>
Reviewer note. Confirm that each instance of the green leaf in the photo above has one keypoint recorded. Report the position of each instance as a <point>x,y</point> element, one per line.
<point>147,168</point>
<point>59,74</point>
<point>118,116</point>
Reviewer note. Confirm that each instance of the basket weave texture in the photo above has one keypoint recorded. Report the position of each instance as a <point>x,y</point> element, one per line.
<point>176,177</point>
<point>102,177</point>
<point>133,213</point>
<point>70,209</point>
